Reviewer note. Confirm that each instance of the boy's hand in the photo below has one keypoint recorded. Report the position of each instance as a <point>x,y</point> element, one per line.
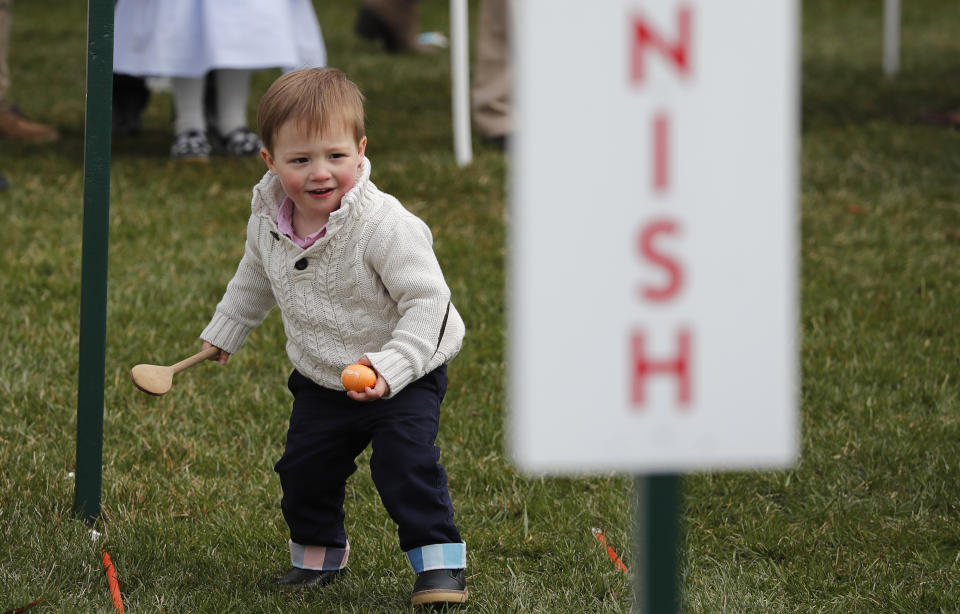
<point>370,394</point>
<point>222,356</point>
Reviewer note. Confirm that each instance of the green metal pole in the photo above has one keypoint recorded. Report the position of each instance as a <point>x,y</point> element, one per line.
<point>93,268</point>
<point>657,571</point>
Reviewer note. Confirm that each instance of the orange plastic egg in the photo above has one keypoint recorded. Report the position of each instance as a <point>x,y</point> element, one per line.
<point>358,378</point>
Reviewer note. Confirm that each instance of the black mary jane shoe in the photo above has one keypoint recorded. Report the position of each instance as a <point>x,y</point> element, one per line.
<point>190,146</point>
<point>438,587</point>
<point>241,142</point>
<point>298,577</point>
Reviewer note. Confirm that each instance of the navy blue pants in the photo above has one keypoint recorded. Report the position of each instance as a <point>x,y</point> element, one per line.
<point>328,431</point>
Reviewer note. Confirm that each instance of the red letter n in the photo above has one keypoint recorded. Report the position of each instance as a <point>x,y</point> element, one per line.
<point>644,367</point>
<point>644,36</point>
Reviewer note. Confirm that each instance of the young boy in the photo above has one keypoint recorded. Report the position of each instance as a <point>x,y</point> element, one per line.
<point>356,280</point>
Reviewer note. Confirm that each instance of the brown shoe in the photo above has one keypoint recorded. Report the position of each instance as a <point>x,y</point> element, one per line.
<point>15,126</point>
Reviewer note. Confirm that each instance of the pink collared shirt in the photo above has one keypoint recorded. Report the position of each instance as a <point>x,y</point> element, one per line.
<point>285,224</point>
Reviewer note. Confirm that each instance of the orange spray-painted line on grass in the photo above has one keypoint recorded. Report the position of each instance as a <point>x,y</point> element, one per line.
<point>598,533</point>
<point>113,584</point>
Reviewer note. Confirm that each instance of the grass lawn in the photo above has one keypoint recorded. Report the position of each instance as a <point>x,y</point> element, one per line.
<point>868,521</point>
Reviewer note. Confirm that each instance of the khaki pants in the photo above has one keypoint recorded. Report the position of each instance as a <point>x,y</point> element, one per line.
<point>4,40</point>
<point>491,77</point>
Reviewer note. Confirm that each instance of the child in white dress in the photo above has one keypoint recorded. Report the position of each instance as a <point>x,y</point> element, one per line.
<point>186,39</point>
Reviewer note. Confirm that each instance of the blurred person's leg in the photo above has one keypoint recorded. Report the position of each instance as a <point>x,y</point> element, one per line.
<point>13,124</point>
<point>4,42</point>
<point>4,78</point>
<point>232,93</point>
<point>491,80</point>
<point>130,98</point>
<point>395,22</point>
<point>189,125</point>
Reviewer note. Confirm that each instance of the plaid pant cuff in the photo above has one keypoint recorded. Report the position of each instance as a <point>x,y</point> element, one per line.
<point>321,558</point>
<point>438,556</point>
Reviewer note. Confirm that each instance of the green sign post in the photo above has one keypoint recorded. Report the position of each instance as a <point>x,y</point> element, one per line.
<point>658,544</point>
<point>93,291</point>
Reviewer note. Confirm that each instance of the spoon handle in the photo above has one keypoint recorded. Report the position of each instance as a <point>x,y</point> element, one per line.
<point>200,356</point>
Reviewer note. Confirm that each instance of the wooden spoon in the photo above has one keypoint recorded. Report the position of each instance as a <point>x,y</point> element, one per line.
<point>157,379</point>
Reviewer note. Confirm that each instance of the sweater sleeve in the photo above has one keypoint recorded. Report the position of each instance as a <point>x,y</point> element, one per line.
<point>401,253</point>
<point>247,300</point>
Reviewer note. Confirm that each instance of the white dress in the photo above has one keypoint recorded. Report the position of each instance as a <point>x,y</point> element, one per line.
<point>188,38</point>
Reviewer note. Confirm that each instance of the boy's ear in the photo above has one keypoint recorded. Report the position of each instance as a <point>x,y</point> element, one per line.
<point>268,159</point>
<point>362,148</point>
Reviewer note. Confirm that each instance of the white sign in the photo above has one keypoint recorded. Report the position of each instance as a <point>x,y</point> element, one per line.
<point>654,225</point>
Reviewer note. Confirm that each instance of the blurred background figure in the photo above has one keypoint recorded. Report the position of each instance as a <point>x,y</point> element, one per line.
<point>185,40</point>
<point>130,98</point>
<point>491,76</point>
<point>13,124</point>
<point>940,118</point>
<point>394,22</point>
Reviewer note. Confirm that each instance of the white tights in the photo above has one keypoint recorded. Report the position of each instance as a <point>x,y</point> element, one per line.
<point>233,90</point>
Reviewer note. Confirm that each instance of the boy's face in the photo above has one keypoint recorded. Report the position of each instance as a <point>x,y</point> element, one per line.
<point>315,171</point>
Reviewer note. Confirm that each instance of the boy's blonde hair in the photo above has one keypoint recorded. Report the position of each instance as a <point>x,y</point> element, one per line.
<point>317,98</point>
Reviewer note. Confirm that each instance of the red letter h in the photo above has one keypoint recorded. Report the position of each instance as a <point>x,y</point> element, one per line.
<point>678,367</point>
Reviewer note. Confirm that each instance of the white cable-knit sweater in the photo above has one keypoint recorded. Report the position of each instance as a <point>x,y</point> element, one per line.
<point>370,286</point>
